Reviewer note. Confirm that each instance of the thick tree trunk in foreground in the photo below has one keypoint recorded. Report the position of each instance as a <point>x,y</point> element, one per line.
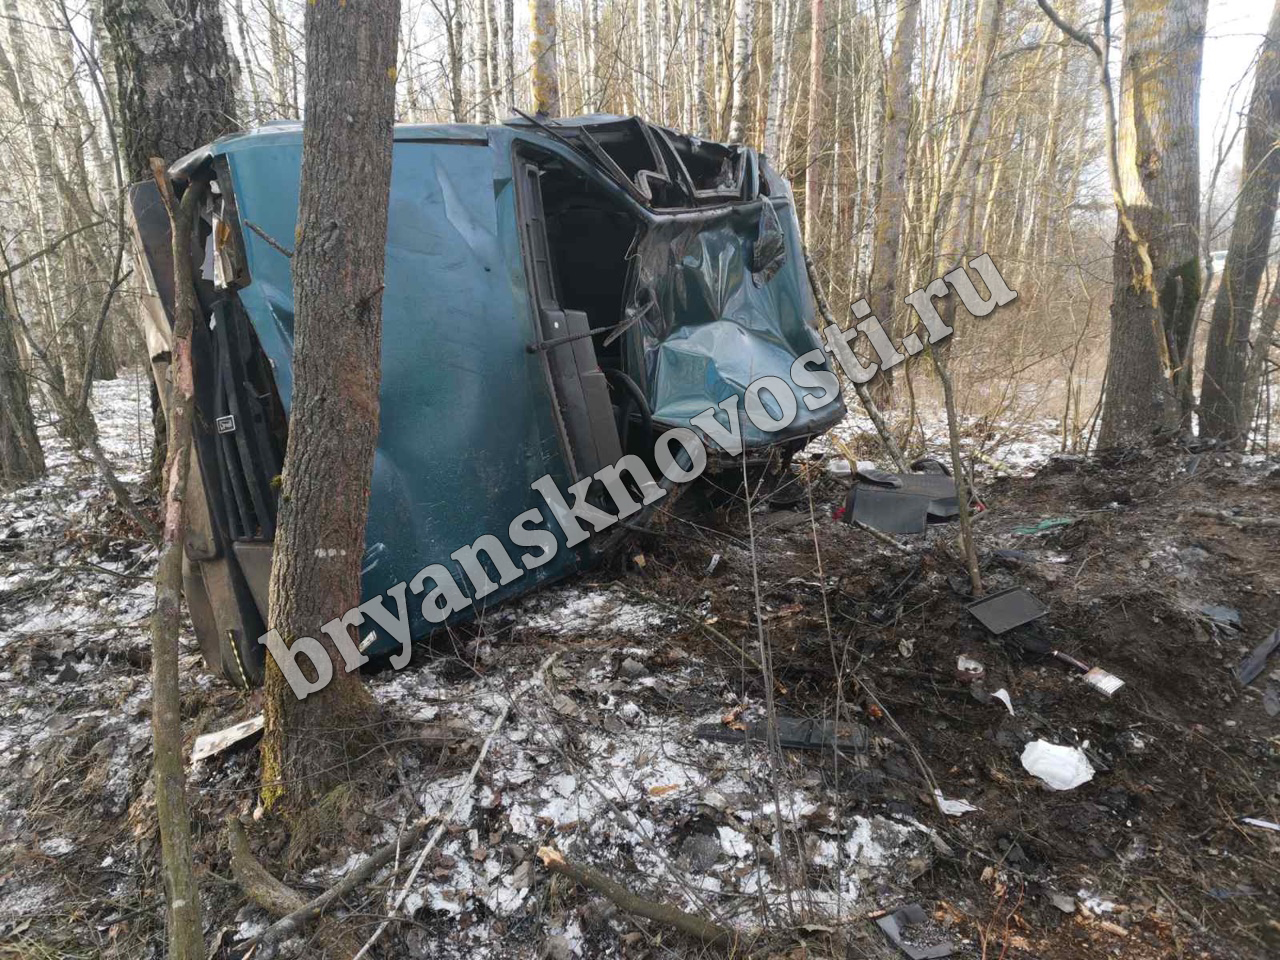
<point>309,745</point>
<point>21,459</point>
<point>542,50</point>
<point>1226,403</point>
<point>893,180</point>
<point>1157,147</point>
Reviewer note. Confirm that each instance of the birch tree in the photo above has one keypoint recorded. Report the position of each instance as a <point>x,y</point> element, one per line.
<point>542,50</point>
<point>740,72</point>
<point>893,173</point>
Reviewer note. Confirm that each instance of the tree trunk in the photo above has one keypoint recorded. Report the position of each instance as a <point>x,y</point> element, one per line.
<point>1226,402</point>
<point>542,50</point>
<point>21,459</point>
<point>508,53</point>
<point>175,77</point>
<point>701,105</point>
<point>814,133</point>
<point>1157,154</point>
<point>310,745</point>
<point>741,70</point>
<point>893,179</point>
<point>176,84</point>
<point>779,50</point>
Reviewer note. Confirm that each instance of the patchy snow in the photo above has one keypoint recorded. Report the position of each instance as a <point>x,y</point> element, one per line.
<point>578,611</point>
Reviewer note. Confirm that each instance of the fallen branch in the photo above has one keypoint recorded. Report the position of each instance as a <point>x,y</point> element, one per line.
<point>272,895</point>
<point>293,922</point>
<point>712,934</point>
<point>880,535</point>
<point>459,795</point>
<point>1227,517</point>
<point>277,897</point>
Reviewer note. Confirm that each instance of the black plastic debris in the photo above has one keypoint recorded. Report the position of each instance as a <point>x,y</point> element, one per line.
<point>1001,612</point>
<point>901,502</point>
<point>901,927</point>
<point>1256,662</point>
<point>794,733</point>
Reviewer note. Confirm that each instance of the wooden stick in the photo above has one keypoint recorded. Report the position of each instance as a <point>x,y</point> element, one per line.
<point>712,934</point>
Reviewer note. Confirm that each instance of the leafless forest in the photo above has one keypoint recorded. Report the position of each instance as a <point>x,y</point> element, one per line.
<point>615,764</point>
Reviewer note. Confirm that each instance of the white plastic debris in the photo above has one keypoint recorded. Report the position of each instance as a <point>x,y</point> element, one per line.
<point>1060,768</point>
<point>969,669</point>
<point>1003,696</point>
<point>1264,824</point>
<point>953,808</point>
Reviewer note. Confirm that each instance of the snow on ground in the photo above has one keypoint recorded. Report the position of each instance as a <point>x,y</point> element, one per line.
<point>75,596</point>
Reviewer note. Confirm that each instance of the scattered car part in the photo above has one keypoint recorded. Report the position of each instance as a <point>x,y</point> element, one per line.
<point>1003,611</point>
<point>968,670</point>
<point>953,808</point>
<point>1256,661</point>
<point>1264,824</point>
<point>896,926</point>
<point>1058,767</point>
<point>1003,696</point>
<point>1044,526</point>
<point>208,744</point>
<point>901,502</point>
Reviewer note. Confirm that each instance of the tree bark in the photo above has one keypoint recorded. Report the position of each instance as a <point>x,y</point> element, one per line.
<point>310,745</point>
<point>1158,164</point>
<point>175,87</point>
<point>893,179</point>
<point>542,50</point>
<point>1226,402</point>
<point>21,459</point>
<point>175,78</point>
<point>702,105</point>
<point>814,134</point>
<point>743,11</point>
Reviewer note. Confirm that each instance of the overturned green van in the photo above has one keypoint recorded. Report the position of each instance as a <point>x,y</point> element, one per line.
<point>557,294</point>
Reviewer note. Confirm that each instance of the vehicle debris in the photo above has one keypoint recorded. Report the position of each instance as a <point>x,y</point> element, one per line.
<point>968,670</point>
<point>1058,767</point>
<point>1003,611</point>
<point>900,927</point>
<point>1003,696</point>
<point>1264,824</point>
<point>953,808</point>
<point>1256,661</point>
<point>1044,526</point>
<point>900,502</point>
<point>208,744</point>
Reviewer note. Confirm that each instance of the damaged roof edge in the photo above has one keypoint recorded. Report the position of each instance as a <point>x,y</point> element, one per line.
<point>660,168</point>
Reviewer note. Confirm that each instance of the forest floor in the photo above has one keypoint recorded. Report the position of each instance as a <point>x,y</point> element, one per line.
<point>602,760</point>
